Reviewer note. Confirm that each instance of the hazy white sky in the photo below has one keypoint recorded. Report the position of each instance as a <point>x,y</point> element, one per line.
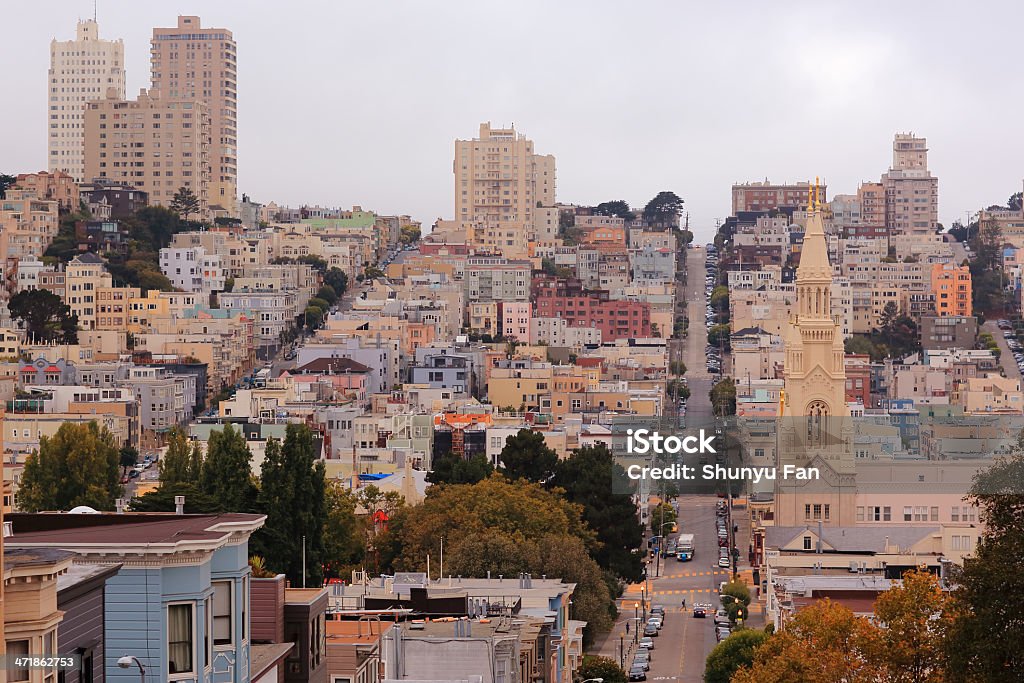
<point>344,103</point>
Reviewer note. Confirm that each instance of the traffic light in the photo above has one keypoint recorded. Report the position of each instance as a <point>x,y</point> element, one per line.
<point>740,614</point>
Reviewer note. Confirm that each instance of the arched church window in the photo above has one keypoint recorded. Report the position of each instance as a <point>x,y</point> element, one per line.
<point>817,417</point>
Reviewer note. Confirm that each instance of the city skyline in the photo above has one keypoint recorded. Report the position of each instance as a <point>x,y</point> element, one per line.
<point>390,145</point>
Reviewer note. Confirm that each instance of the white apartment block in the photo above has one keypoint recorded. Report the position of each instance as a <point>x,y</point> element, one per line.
<point>81,70</point>
<point>193,270</point>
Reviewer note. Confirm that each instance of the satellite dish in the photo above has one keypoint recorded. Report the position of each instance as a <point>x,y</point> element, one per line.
<point>83,510</point>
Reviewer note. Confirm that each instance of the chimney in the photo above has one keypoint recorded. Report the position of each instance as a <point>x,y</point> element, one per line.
<point>8,529</point>
<point>179,505</point>
<point>119,506</point>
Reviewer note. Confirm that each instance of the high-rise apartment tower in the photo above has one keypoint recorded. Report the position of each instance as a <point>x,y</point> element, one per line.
<point>81,70</point>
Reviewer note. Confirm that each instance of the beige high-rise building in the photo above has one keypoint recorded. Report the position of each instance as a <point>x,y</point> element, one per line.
<point>81,70</point>
<point>911,191</point>
<point>191,62</point>
<point>156,144</point>
<point>499,183</point>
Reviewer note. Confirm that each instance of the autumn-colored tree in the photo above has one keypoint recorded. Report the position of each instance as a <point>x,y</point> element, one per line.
<point>502,527</point>
<point>914,616</point>
<point>824,643</point>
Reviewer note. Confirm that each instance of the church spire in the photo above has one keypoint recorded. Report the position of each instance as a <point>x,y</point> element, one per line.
<point>814,266</point>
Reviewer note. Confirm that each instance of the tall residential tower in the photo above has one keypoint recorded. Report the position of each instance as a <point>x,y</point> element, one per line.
<point>499,183</point>
<point>191,62</point>
<point>81,70</point>
<point>911,191</point>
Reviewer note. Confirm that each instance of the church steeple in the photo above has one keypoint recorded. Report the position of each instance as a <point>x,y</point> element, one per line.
<point>815,361</point>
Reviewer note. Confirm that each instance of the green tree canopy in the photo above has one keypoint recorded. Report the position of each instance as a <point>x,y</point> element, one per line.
<point>162,499</point>
<point>128,456</point>
<point>454,469</point>
<point>226,470</point>
<point>664,209</point>
<point>723,397</point>
<point>336,279</point>
<point>344,533</point>
<point>293,496</point>
<point>527,456</point>
<point>719,335</point>
<point>605,668</point>
<point>327,293</point>
<point>616,207</point>
<point>588,479</point>
<point>732,653</point>
<point>177,465</point>
<point>45,315</point>
<point>984,640</point>
<point>76,466</point>
<point>185,203</point>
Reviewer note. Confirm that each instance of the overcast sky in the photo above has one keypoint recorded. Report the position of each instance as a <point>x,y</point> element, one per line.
<point>344,103</point>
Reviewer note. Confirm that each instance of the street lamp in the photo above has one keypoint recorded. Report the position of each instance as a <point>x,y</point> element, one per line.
<point>636,620</point>
<point>126,662</point>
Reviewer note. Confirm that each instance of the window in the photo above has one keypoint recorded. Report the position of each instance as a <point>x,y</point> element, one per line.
<point>817,511</point>
<point>887,514</point>
<point>180,639</point>
<point>954,515</point>
<point>827,512</point>
<point>245,607</point>
<point>860,513</point>
<point>222,604</point>
<point>807,542</point>
<point>970,513</point>
<point>17,648</point>
<point>935,513</point>
<point>908,514</point>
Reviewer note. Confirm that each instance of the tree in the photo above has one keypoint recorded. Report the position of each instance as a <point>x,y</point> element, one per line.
<point>915,618</point>
<point>732,653</point>
<point>723,397</point>
<point>962,233</point>
<point>76,466</point>
<point>45,315</point>
<point>527,456</point>
<point>128,457</point>
<point>6,181</point>
<point>983,640</point>
<point>719,335</point>
<point>410,234</point>
<point>293,496</point>
<point>861,344</point>
<point>677,367</point>
<point>226,470</point>
<point>604,668</point>
<point>588,477</point>
<point>314,315</point>
<point>343,532</point>
<point>162,500</point>
<point>662,515</point>
<point>454,469</point>
<point>372,272</point>
<point>185,203</point>
<point>685,237</point>
<point>720,297</point>
<point>177,467</point>
<point>154,226</point>
<point>1015,201</point>
<point>328,294</point>
<point>336,279</point>
<point>664,209</point>
<point>318,263</point>
<point>825,642</point>
<point>503,527</point>
<point>617,207</point>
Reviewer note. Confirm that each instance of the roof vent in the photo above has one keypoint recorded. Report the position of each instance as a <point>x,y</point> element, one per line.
<point>8,529</point>
<point>179,505</point>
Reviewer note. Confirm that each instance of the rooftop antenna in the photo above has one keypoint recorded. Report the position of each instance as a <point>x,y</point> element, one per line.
<point>94,10</point>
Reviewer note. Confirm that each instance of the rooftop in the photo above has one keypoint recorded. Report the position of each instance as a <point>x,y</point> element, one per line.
<point>156,531</point>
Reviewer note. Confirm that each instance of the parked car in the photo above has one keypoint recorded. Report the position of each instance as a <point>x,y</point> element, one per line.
<point>639,663</point>
<point>722,617</point>
<point>651,631</point>
<point>656,622</point>
<point>658,610</point>
<point>637,674</point>
<point>721,633</point>
<point>647,643</point>
<point>724,562</point>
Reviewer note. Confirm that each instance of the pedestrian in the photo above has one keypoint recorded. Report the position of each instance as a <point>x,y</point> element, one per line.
<point>627,628</point>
